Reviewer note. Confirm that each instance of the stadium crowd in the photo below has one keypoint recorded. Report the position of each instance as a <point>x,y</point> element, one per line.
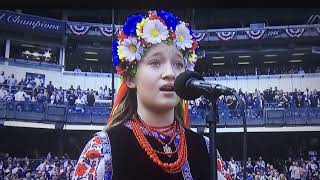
<point>34,90</point>
<point>264,70</point>
<point>53,168</point>
<point>270,98</point>
<point>304,166</point>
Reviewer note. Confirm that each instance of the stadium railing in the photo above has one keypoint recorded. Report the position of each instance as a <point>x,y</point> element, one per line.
<point>98,114</point>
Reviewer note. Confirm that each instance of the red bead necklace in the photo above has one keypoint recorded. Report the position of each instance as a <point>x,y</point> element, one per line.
<point>181,150</point>
<point>150,129</point>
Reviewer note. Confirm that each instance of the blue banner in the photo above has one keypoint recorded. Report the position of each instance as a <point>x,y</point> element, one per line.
<point>37,23</point>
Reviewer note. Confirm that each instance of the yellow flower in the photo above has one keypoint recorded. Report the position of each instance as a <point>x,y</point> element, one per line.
<point>192,57</point>
<point>120,54</point>
<point>140,27</point>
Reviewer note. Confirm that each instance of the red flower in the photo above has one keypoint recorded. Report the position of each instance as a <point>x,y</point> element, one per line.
<point>91,170</point>
<point>120,70</point>
<point>153,17</point>
<point>194,44</point>
<point>97,140</point>
<point>92,153</point>
<point>81,169</point>
<point>172,34</point>
<point>122,36</point>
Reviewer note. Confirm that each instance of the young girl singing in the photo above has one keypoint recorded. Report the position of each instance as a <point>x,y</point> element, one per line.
<point>147,135</point>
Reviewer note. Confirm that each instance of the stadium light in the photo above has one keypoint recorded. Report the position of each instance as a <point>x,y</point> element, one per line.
<point>241,63</point>
<point>218,64</point>
<point>27,45</point>
<point>217,57</point>
<point>244,56</point>
<point>295,60</point>
<point>270,55</point>
<point>89,52</point>
<point>297,54</point>
<point>270,62</point>
<point>91,59</point>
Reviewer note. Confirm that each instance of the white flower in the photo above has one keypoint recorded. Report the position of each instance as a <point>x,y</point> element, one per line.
<point>183,38</point>
<point>131,49</point>
<point>154,31</point>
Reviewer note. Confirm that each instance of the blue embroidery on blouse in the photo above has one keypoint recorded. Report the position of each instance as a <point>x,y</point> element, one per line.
<point>106,151</point>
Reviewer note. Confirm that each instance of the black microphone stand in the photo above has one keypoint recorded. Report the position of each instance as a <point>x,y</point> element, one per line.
<point>212,117</point>
<point>244,120</point>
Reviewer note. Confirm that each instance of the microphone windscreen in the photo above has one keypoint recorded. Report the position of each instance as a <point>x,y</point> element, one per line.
<point>180,85</point>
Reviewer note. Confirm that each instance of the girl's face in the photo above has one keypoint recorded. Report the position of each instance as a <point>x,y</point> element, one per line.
<point>154,79</point>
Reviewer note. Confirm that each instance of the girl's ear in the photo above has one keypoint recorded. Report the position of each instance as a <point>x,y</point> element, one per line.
<point>131,82</point>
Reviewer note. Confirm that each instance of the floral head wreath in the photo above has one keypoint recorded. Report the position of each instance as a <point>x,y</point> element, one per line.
<point>138,35</point>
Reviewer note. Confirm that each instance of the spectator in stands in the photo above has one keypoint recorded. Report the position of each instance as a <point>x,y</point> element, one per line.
<point>232,105</point>
<point>77,70</point>
<point>250,105</point>
<point>106,94</point>
<point>90,99</point>
<point>282,177</point>
<point>20,95</point>
<point>301,71</point>
<point>29,83</point>
<point>300,100</point>
<point>78,101</point>
<point>259,104</point>
<point>2,78</point>
<point>72,98</point>
<point>249,167</point>
<point>33,97</point>
<point>234,168</point>
<point>41,96</point>
<point>50,88</point>
<point>16,169</point>
<point>22,82</point>
<point>54,98</point>
<point>240,92</point>
<point>60,94</point>
<point>303,171</point>
<point>12,81</point>
<point>79,107</point>
<point>78,91</point>
<point>100,92</point>
<point>70,90</point>
<point>151,104</point>
<point>83,97</point>
<point>293,70</point>
<point>283,101</point>
<point>268,95</point>
<point>295,171</point>
<point>262,162</point>
<point>38,81</point>
<point>3,93</point>
<point>313,99</point>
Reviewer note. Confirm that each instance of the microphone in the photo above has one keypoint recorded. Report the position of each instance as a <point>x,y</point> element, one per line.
<point>190,85</point>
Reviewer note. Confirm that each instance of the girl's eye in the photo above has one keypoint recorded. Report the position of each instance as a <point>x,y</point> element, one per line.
<point>155,63</point>
<point>179,65</point>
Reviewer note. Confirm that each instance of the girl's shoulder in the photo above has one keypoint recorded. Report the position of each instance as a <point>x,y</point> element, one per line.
<point>89,159</point>
<point>196,138</point>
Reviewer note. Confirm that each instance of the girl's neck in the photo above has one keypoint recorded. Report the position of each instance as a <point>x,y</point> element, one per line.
<point>157,119</point>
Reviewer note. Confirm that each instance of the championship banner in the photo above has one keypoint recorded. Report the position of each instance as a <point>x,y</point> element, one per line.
<point>29,22</point>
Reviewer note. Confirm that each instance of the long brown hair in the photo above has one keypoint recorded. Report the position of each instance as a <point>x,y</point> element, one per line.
<point>128,107</point>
